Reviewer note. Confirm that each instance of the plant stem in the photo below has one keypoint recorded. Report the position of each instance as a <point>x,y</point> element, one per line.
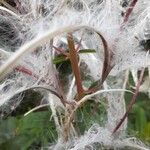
<point>133,99</point>
<point>74,64</point>
<point>126,17</point>
<point>129,10</point>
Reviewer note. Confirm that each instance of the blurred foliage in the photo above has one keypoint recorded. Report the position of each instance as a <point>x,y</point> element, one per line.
<point>21,133</point>
<point>92,112</point>
<point>139,117</point>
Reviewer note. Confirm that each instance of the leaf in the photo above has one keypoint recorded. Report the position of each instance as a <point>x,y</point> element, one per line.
<point>62,58</point>
<point>83,51</point>
<point>59,59</point>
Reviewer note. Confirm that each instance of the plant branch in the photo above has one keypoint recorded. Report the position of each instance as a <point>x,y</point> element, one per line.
<point>74,64</point>
<point>129,10</point>
<point>12,62</point>
<point>83,100</point>
<point>133,99</point>
<point>26,71</point>
<point>79,45</point>
<point>61,51</point>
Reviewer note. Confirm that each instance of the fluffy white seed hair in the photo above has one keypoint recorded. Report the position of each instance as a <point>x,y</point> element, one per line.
<point>27,45</point>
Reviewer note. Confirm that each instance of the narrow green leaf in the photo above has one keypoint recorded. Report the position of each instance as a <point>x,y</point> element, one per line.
<point>59,59</point>
<point>87,51</point>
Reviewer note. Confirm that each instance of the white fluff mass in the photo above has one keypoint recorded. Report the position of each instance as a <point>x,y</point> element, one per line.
<point>37,23</point>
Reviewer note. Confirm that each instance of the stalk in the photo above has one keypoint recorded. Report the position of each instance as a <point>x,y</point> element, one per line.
<point>132,102</point>
<point>74,64</point>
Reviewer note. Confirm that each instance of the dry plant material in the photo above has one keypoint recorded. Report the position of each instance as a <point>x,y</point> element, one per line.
<point>51,21</point>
